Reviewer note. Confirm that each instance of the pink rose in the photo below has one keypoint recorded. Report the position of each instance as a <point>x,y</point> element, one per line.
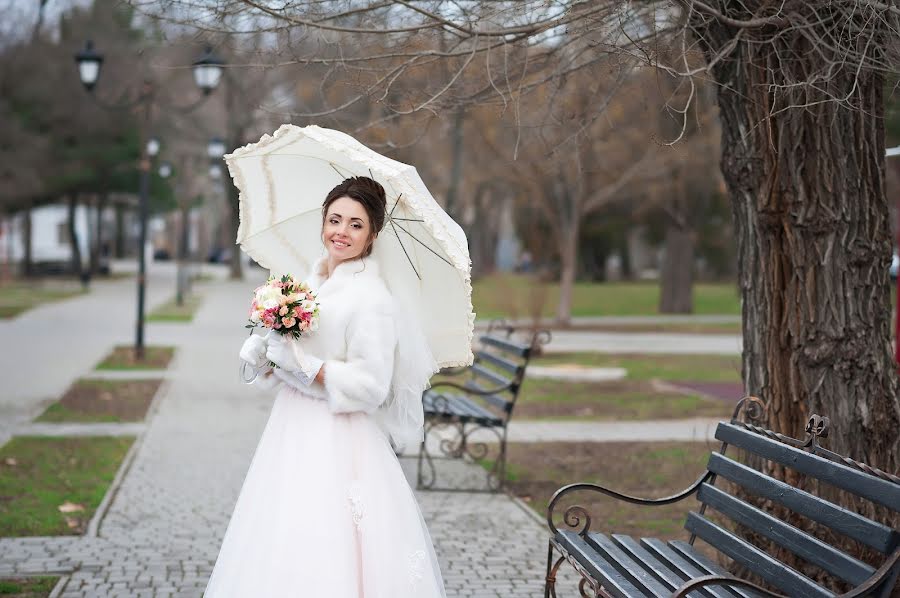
<point>288,322</point>
<point>283,311</point>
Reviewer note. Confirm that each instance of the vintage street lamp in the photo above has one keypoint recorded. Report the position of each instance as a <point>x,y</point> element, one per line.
<point>89,63</point>
<point>208,70</point>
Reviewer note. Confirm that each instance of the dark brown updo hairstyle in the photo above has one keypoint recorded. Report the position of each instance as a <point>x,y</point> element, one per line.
<point>367,192</point>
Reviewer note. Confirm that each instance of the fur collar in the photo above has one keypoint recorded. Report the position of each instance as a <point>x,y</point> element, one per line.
<point>365,268</point>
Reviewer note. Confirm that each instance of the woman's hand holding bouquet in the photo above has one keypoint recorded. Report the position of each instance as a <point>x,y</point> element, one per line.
<point>286,309</point>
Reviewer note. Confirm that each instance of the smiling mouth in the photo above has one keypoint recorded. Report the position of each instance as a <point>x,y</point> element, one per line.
<point>340,244</point>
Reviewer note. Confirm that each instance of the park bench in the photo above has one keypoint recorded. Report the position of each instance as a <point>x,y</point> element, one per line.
<point>619,565</point>
<point>478,398</point>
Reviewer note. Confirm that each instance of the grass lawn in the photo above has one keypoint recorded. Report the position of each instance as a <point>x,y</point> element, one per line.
<point>52,486</point>
<point>171,312</point>
<point>27,587</point>
<point>670,327</point>
<point>627,400</point>
<point>20,296</point>
<point>123,358</point>
<point>520,296</point>
<point>674,368</point>
<point>103,401</point>
<point>644,469</point>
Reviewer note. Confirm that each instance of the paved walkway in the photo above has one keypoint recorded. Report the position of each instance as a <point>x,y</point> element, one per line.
<point>48,347</point>
<point>160,529</point>
<point>163,526</point>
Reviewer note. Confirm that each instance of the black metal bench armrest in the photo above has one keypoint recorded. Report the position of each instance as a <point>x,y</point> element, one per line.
<point>722,580</point>
<point>572,516</point>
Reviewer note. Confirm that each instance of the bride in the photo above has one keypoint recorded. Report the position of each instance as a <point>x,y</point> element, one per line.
<point>325,510</point>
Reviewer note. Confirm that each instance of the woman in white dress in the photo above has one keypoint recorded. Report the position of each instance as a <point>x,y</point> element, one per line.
<point>325,510</point>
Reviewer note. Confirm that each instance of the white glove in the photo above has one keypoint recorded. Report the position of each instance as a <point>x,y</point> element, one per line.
<point>253,351</point>
<point>289,356</point>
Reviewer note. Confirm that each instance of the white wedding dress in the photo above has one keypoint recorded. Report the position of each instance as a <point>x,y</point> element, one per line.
<point>325,510</point>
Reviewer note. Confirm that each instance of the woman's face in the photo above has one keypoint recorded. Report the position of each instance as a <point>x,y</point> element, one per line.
<point>346,229</point>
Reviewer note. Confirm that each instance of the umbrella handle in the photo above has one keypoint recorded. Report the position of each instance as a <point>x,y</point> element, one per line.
<point>248,373</point>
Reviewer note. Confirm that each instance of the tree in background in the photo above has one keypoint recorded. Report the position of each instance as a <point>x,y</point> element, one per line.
<point>800,91</point>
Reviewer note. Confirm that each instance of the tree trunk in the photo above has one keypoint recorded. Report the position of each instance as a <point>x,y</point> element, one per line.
<point>97,236</point>
<point>814,241</point>
<point>73,237</point>
<point>459,119</point>
<point>27,254</point>
<point>119,244</point>
<point>568,258</point>
<point>236,271</point>
<point>677,276</point>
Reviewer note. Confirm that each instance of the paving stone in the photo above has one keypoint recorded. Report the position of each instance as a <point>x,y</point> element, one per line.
<point>161,533</point>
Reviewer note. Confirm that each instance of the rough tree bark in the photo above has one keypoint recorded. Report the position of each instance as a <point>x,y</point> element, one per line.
<point>807,189</point>
<point>814,241</point>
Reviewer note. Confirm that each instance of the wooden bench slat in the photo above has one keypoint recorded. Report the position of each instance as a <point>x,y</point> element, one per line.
<point>857,482</point>
<point>776,573</point>
<point>638,554</point>
<point>680,565</point>
<point>809,548</point>
<point>490,375</point>
<point>449,406</point>
<point>513,368</point>
<point>506,345</point>
<point>466,407</point>
<point>613,582</point>
<point>642,578</point>
<point>494,400</point>
<point>701,561</point>
<point>846,522</point>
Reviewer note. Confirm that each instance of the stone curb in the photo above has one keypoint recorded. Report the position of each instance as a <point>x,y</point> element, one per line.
<point>127,374</point>
<point>93,529</point>
<point>60,587</point>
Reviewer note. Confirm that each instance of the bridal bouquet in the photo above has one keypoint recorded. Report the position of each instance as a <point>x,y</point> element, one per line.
<point>285,306</point>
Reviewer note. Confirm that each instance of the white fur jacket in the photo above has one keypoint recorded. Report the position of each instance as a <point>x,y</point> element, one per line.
<point>356,338</point>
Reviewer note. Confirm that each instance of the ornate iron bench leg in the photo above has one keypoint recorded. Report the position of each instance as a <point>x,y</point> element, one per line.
<point>552,569</point>
<point>426,460</point>
<point>501,460</point>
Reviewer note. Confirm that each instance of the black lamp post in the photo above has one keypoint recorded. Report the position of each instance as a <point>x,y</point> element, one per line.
<point>207,74</point>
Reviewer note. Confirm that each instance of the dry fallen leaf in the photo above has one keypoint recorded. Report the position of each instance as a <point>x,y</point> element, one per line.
<point>11,461</point>
<point>73,522</point>
<point>106,396</point>
<point>70,507</point>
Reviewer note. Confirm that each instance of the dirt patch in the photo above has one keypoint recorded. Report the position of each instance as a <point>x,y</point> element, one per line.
<point>621,399</point>
<point>103,401</point>
<point>646,470</point>
<point>124,358</point>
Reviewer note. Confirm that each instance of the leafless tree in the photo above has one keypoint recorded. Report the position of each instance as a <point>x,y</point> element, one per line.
<point>800,91</point>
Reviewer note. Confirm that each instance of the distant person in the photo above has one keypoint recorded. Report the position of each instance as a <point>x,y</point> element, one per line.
<point>526,265</point>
